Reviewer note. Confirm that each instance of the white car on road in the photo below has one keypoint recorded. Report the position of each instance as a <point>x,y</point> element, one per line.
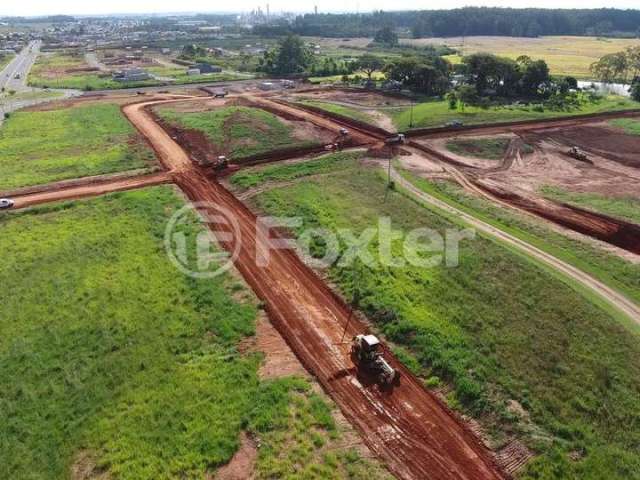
<point>5,203</point>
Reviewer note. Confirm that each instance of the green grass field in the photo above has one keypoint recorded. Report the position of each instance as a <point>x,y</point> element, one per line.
<point>239,132</point>
<point>437,113</point>
<point>47,146</point>
<point>564,55</point>
<point>497,327</point>
<point>626,208</point>
<point>114,363</point>
<point>629,125</point>
<point>343,110</point>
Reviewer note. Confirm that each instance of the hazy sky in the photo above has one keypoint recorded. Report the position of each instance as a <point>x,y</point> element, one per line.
<point>46,7</point>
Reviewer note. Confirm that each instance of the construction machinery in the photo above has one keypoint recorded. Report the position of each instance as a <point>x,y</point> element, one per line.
<point>338,142</point>
<point>365,352</point>
<point>397,139</point>
<point>578,154</point>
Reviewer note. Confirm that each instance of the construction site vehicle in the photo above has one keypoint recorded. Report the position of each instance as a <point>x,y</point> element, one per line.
<point>578,154</point>
<point>395,139</point>
<point>338,141</point>
<point>365,352</point>
<point>219,93</point>
<point>221,164</point>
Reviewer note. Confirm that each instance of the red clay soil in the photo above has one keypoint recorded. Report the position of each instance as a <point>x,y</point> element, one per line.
<point>407,426</point>
<point>616,232</point>
<point>611,143</point>
<point>416,435</point>
<point>89,189</point>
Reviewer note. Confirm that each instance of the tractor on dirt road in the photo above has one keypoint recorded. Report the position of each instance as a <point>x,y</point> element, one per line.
<point>365,352</point>
<point>578,154</point>
<point>339,141</point>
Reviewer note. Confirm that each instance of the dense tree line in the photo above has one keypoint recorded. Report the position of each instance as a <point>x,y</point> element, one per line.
<point>529,22</point>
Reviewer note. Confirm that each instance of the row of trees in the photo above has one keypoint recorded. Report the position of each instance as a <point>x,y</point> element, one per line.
<point>429,74</point>
<point>529,22</point>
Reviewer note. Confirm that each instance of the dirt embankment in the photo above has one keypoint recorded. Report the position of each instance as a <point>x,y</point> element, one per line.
<point>500,184</point>
<point>617,232</point>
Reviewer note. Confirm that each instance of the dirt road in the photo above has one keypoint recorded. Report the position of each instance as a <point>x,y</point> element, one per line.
<point>619,301</point>
<point>170,154</point>
<point>519,126</point>
<point>89,189</point>
<point>416,435</point>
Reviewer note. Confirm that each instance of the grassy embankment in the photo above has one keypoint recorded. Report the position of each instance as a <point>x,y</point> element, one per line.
<point>47,146</point>
<point>565,55</point>
<point>238,132</point>
<point>51,71</point>
<point>625,208</point>
<point>497,327</point>
<point>437,113</point>
<point>115,364</point>
<point>343,110</point>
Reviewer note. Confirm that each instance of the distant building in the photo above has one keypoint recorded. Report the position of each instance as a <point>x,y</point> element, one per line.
<point>131,75</point>
<point>207,68</point>
<point>193,71</point>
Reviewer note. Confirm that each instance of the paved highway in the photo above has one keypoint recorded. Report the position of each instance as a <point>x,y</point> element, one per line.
<point>14,75</point>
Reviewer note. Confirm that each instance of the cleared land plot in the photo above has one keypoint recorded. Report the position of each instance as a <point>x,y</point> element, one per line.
<point>373,108</point>
<point>47,146</point>
<point>490,148</point>
<point>59,70</point>
<point>238,132</point>
<point>496,327</point>
<point>65,70</point>
<point>437,113</point>
<point>564,55</point>
<point>125,368</point>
